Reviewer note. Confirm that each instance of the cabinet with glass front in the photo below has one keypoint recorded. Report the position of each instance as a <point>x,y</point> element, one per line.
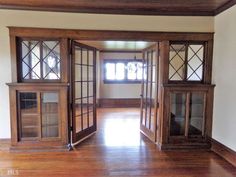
<point>188,95</point>
<point>38,95</point>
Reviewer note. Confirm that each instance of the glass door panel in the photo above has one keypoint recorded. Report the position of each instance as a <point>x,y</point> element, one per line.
<point>196,117</point>
<point>149,93</point>
<point>177,114</point>
<point>29,114</point>
<point>50,115</point>
<point>83,91</point>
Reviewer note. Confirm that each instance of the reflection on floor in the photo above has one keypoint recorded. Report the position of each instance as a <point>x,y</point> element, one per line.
<point>117,150</point>
<point>119,127</point>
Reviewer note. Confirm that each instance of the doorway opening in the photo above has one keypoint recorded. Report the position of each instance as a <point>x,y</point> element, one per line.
<point>114,86</point>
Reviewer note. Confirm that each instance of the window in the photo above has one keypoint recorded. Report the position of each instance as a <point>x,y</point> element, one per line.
<point>39,60</point>
<point>186,62</point>
<point>123,71</point>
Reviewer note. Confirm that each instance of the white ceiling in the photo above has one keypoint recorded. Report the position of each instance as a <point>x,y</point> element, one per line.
<point>118,45</point>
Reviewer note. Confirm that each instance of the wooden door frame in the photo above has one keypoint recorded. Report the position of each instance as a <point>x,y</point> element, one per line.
<point>66,34</point>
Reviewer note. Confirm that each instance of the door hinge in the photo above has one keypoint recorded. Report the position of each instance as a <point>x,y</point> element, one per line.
<point>71,128</point>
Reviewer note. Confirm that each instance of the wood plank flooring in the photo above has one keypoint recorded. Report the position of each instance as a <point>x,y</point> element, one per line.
<point>117,150</point>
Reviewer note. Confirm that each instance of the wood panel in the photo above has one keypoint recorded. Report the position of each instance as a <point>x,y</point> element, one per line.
<point>119,102</point>
<point>140,7</point>
<point>223,151</point>
<point>109,35</point>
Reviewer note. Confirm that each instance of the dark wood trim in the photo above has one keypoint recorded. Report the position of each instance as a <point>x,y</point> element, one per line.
<point>225,6</point>
<point>39,85</point>
<point>109,35</point>
<point>162,95</point>
<point>119,102</point>
<point>207,65</point>
<point>13,50</point>
<point>184,86</point>
<point>223,151</point>
<point>202,8</point>
<point>192,145</point>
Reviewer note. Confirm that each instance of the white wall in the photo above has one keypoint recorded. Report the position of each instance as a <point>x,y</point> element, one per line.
<point>118,90</point>
<point>81,21</point>
<point>224,65</point>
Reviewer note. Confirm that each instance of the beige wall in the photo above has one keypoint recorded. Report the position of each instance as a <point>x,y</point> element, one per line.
<point>81,21</point>
<point>118,90</point>
<point>224,64</point>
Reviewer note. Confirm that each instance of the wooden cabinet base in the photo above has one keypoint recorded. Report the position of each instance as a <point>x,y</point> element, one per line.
<point>39,149</point>
<point>184,146</point>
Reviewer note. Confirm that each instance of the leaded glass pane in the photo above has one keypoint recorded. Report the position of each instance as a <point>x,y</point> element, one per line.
<point>30,59</point>
<point>40,60</point>
<point>176,62</point>
<point>195,62</point>
<point>51,60</point>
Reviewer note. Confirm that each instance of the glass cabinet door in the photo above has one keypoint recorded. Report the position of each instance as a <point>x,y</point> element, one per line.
<point>39,116</point>
<point>29,115</point>
<point>50,114</point>
<point>196,114</point>
<point>187,114</point>
<point>177,114</point>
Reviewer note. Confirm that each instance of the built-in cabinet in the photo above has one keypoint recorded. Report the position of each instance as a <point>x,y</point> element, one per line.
<point>39,115</point>
<point>53,89</point>
<point>185,94</point>
<point>188,116</point>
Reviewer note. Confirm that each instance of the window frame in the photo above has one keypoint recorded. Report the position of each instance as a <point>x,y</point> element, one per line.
<point>185,80</point>
<point>125,80</point>
<point>19,60</point>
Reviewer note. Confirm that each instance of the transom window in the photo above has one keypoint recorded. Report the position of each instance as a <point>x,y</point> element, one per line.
<point>120,71</point>
<point>186,62</point>
<point>39,60</point>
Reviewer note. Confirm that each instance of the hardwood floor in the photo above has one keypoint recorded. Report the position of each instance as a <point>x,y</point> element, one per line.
<point>117,150</point>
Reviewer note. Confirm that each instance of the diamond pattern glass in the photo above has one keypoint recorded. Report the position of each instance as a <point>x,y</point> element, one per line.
<point>195,62</point>
<point>40,60</point>
<point>30,59</point>
<point>51,60</point>
<point>177,62</point>
<point>186,62</point>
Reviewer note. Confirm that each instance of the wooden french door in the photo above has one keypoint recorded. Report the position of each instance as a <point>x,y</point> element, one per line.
<point>83,93</point>
<point>149,103</point>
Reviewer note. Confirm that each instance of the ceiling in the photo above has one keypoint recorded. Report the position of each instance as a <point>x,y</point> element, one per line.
<point>118,45</point>
<point>139,7</point>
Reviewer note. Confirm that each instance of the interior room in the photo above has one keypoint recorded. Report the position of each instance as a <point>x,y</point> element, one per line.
<point>117,88</point>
